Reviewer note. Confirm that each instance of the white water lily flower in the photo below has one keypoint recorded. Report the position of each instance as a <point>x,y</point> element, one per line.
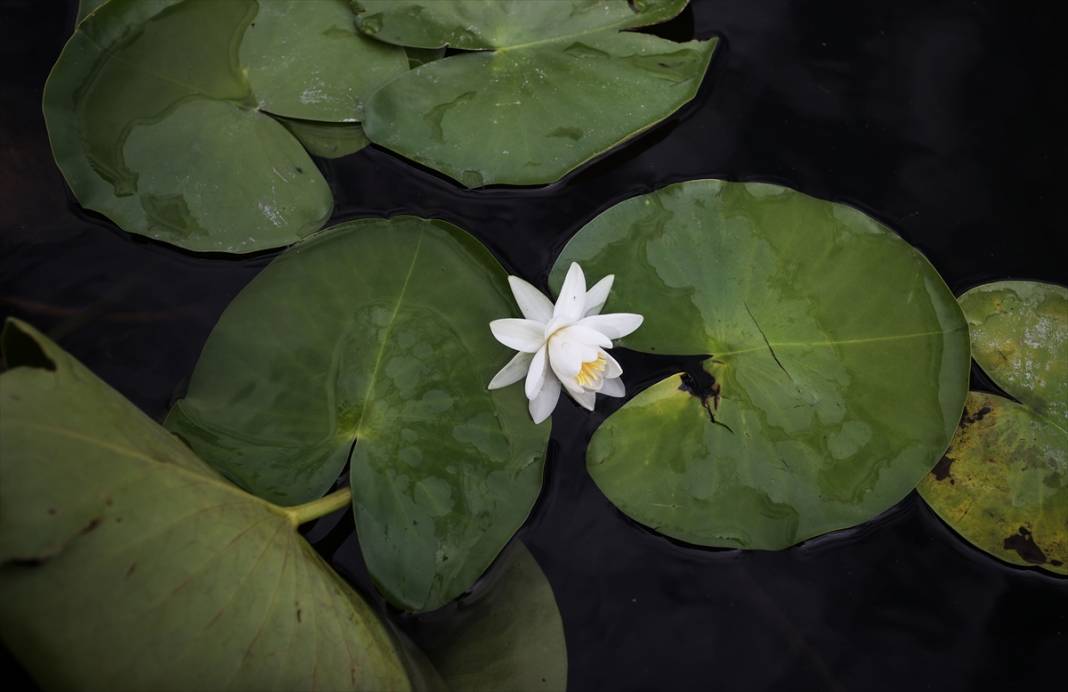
<point>564,344</point>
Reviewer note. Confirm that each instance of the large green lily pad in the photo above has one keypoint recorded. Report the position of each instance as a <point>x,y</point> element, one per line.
<point>1020,338</point>
<point>370,344</point>
<point>559,85</point>
<point>506,638</point>
<point>157,113</point>
<point>839,369</point>
<point>1003,484</point>
<point>126,563</point>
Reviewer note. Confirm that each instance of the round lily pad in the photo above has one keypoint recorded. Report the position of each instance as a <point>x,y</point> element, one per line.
<point>838,369</point>
<point>157,111</point>
<point>1020,338</point>
<point>1003,484</point>
<point>369,345</point>
<point>554,84</point>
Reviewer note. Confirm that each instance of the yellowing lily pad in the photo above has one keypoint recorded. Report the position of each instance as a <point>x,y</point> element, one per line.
<point>157,111</point>
<point>838,370</point>
<point>508,637</point>
<point>127,563</point>
<point>369,345</point>
<point>556,85</point>
<point>1003,484</point>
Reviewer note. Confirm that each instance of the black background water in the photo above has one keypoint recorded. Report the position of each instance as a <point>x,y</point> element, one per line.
<point>936,117</point>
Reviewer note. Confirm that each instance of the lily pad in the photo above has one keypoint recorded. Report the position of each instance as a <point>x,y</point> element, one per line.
<point>157,113</point>
<point>127,563</point>
<point>557,85</point>
<point>1020,338</point>
<point>1003,484</point>
<point>370,344</point>
<point>506,638</point>
<point>328,140</point>
<point>838,372</point>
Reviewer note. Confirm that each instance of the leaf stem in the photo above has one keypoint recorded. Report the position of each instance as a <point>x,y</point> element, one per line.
<point>302,514</point>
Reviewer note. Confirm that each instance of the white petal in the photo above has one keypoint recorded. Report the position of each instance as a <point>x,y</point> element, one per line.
<point>567,356</point>
<point>572,301</point>
<point>613,369</point>
<point>536,374</point>
<point>598,295</point>
<point>542,405</point>
<point>615,325</point>
<point>532,303</point>
<point>585,399</point>
<point>613,387</point>
<point>583,335</point>
<point>522,335</point>
<point>515,370</point>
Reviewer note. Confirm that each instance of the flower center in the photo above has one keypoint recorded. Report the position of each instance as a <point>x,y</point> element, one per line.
<point>591,371</point>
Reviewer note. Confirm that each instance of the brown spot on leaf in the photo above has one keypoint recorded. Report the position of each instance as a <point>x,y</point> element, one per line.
<point>941,470</point>
<point>132,569</point>
<point>52,511</point>
<point>1024,545</point>
<point>298,615</point>
<point>93,523</point>
<point>969,418</point>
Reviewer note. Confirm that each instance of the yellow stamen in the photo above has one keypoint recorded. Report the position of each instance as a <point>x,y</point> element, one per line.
<point>591,371</point>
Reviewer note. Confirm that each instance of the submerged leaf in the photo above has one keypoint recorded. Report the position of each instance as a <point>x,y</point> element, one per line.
<point>155,111</point>
<point>561,86</point>
<point>1003,484</point>
<point>838,372</point>
<point>128,564</point>
<point>328,140</point>
<point>369,344</point>
<point>506,638</point>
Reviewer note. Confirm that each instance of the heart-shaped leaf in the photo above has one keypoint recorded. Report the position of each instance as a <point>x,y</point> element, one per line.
<point>1003,484</point>
<point>157,113</point>
<point>506,638</point>
<point>838,372</point>
<point>376,333</point>
<point>126,563</point>
<point>558,85</point>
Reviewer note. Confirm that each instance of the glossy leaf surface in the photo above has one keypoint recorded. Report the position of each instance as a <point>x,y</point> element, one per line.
<point>480,25</point>
<point>1003,484</point>
<point>508,636</point>
<point>155,110</point>
<point>370,344</point>
<point>562,86</point>
<point>1020,338</point>
<point>126,563</point>
<point>839,372</point>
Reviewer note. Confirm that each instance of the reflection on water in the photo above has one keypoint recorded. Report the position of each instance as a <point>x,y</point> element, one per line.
<point>932,116</point>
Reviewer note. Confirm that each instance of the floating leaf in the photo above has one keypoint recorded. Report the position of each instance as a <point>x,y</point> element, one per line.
<point>85,7</point>
<point>560,86</point>
<point>376,333</point>
<point>127,563</point>
<point>1020,338</point>
<point>328,140</point>
<point>1003,484</point>
<point>480,25</point>
<point>507,638</point>
<point>839,368</point>
<point>155,110</point>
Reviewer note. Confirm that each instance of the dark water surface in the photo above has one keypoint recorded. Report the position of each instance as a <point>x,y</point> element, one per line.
<point>936,117</point>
